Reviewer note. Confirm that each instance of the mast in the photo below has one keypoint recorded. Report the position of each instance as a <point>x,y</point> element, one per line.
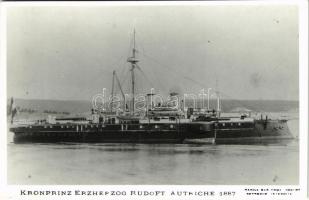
<point>133,60</point>
<point>218,99</point>
<point>112,95</point>
<point>122,93</point>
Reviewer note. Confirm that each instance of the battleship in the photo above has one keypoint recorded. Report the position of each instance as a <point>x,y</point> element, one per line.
<point>157,124</point>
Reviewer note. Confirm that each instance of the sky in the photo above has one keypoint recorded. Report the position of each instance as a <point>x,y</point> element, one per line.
<point>69,53</point>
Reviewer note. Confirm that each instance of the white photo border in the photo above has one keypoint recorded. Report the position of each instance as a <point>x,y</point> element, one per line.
<point>13,191</point>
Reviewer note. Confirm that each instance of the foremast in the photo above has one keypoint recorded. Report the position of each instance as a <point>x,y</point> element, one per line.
<point>133,60</point>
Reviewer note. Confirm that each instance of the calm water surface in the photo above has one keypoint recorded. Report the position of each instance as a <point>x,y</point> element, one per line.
<point>153,164</point>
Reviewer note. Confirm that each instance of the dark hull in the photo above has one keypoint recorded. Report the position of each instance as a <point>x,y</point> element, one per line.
<point>168,133</point>
<point>261,132</point>
<point>110,137</point>
<point>202,132</point>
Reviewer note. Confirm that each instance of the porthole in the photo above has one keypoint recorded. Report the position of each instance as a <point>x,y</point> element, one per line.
<point>239,124</point>
<point>171,126</point>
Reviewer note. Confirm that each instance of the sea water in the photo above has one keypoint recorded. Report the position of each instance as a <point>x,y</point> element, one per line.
<point>74,163</point>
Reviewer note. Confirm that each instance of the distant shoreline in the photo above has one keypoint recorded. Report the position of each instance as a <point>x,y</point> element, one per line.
<point>79,106</point>
<point>81,100</point>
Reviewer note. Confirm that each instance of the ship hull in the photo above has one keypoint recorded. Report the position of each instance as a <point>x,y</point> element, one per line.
<point>95,137</point>
<point>154,133</point>
<point>257,132</point>
<point>112,137</point>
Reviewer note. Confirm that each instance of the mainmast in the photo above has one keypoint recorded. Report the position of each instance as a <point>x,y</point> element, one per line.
<point>112,95</point>
<point>218,99</point>
<point>133,60</point>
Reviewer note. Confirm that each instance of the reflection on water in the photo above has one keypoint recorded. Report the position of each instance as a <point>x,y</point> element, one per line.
<point>152,164</point>
<point>71,163</point>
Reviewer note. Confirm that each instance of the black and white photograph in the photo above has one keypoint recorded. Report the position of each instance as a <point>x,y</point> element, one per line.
<point>153,94</point>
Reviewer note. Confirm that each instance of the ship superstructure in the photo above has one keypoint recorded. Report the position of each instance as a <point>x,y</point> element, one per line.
<point>157,124</point>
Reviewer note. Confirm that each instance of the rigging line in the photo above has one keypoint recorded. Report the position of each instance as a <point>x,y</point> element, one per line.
<point>117,89</point>
<point>157,62</point>
<point>187,78</point>
<point>138,67</point>
<point>123,68</point>
<point>116,63</point>
<point>157,81</point>
<point>174,72</point>
<point>130,45</point>
<point>194,81</point>
<point>125,78</point>
<point>166,67</point>
<point>140,43</point>
<point>145,76</point>
<point>122,72</point>
<point>183,76</point>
